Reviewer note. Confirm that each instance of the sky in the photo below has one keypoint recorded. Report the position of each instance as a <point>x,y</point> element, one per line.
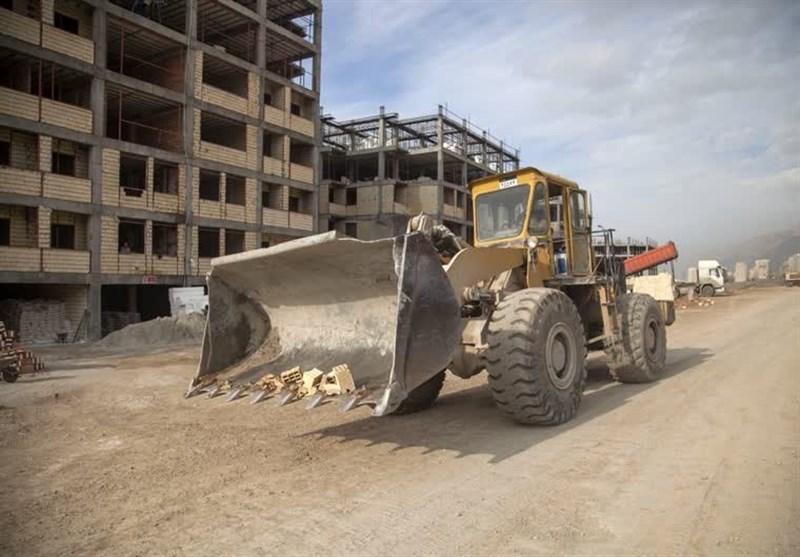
<point>682,119</point>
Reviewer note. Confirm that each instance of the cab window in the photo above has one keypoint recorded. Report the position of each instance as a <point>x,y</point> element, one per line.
<point>578,210</point>
<point>501,213</point>
<point>538,222</point>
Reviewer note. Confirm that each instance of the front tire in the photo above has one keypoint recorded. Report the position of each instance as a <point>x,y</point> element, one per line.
<point>422,397</point>
<point>536,357</point>
<point>642,354</point>
<point>9,376</point>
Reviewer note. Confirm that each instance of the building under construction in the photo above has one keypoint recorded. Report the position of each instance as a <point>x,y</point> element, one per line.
<point>379,170</point>
<point>138,140</point>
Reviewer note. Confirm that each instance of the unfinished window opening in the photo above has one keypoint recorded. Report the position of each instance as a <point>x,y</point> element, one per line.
<point>235,189</point>
<point>165,240</point>
<point>131,236</point>
<point>68,230</point>
<point>208,242</point>
<point>209,185</point>
<point>226,30</point>
<point>19,149</point>
<point>234,241</point>
<point>225,76</point>
<point>142,54</point>
<point>351,197</point>
<point>5,232</point>
<point>273,94</point>
<point>222,131</point>
<point>272,196</point>
<point>69,159</point>
<point>301,153</point>
<point>66,23</point>
<point>165,177</point>
<point>73,17</point>
<point>351,229</point>
<point>449,196</point>
<point>290,61</point>
<point>62,236</point>
<point>331,195</point>
<point>63,163</point>
<point>273,146</point>
<point>302,105</point>
<point>132,175</point>
<point>143,119</point>
<point>401,194</point>
<point>300,201</point>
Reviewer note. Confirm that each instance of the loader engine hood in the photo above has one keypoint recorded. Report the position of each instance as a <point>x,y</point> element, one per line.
<point>384,308</point>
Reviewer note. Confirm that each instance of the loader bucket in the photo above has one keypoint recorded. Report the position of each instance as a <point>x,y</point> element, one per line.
<point>384,308</point>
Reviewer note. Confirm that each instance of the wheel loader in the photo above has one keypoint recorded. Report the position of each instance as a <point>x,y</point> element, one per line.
<point>378,323</point>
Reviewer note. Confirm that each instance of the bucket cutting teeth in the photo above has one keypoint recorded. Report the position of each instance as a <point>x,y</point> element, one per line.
<point>258,396</point>
<point>235,393</point>
<point>315,400</point>
<point>286,397</point>
<point>213,391</point>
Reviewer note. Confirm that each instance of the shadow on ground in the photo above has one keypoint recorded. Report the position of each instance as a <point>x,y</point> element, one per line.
<point>468,421</point>
<point>42,378</point>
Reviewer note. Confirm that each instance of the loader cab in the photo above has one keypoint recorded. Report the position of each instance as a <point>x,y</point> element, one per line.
<point>539,211</point>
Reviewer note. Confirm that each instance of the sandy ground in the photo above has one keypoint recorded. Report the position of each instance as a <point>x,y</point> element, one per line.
<point>102,455</point>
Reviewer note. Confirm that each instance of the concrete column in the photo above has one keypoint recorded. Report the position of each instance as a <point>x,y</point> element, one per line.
<point>261,62</point>
<point>95,224</point>
<point>316,86</point>
<point>133,300</point>
<point>381,145</point>
<point>439,166</point>
<point>188,133</point>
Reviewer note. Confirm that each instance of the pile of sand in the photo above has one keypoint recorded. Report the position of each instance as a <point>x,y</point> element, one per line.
<point>183,329</point>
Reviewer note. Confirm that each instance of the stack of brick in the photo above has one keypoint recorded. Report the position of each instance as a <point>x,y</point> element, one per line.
<point>24,361</point>
<point>35,321</point>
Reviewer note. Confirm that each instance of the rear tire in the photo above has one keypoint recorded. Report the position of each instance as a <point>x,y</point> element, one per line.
<point>10,376</point>
<point>422,397</point>
<point>536,357</point>
<point>642,354</point>
<point>707,291</point>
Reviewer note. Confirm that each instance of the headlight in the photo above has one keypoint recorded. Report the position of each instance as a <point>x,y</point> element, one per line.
<point>532,242</point>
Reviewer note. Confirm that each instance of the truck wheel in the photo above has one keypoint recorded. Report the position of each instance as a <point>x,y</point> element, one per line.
<point>707,291</point>
<point>536,357</point>
<point>641,355</point>
<point>9,376</point>
<point>422,397</point>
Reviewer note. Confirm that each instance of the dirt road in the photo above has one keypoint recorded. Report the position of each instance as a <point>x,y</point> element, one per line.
<point>103,455</point>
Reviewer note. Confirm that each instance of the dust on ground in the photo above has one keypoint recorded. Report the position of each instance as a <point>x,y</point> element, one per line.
<point>103,455</point>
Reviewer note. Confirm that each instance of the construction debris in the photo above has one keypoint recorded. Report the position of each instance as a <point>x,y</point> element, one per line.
<point>14,358</point>
<point>289,386</point>
<point>183,329</point>
<point>35,321</point>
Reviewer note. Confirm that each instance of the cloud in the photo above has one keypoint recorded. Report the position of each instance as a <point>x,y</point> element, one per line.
<point>680,117</point>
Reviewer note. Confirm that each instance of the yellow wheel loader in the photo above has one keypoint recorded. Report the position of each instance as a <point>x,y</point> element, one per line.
<point>378,323</point>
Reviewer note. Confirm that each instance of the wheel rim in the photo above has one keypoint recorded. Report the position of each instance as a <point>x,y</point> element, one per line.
<point>651,337</point>
<point>561,355</point>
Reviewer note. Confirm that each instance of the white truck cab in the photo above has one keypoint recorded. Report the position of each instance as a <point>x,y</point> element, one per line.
<point>710,278</point>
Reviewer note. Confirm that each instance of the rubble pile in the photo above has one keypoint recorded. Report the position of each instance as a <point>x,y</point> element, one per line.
<point>184,329</point>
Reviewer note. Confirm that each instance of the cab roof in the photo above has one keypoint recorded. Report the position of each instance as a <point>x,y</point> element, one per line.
<point>550,177</point>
